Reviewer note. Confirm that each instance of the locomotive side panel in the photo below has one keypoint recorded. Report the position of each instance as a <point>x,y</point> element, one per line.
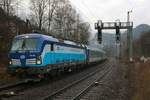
<point>62,54</point>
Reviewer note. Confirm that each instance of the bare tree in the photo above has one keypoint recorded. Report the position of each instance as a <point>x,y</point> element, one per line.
<point>52,5</point>
<point>68,24</point>
<point>60,19</point>
<point>65,19</point>
<point>84,31</point>
<point>7,5</point>
<point>38,8</point>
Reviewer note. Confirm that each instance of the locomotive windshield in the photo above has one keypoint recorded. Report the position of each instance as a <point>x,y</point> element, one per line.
<point>25,45</point>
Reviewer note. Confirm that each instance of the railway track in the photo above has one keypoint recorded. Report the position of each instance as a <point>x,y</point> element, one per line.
<point>25,91</point>
<point>76,89</point>
<point>14,88</point>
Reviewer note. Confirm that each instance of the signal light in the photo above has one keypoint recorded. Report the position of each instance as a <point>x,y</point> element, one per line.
<point>100,35</point>
<point>117,38</point>
<point>117,34</point>
<point>100,38</point>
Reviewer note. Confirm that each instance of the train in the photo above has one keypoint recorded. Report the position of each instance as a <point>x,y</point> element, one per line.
<point>39,55</point>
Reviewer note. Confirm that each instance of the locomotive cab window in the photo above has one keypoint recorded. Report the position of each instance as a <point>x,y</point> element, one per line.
<point>25,45</point>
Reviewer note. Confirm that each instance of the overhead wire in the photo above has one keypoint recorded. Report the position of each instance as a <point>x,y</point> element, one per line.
<point>89,10</point>
<point>85,14</point>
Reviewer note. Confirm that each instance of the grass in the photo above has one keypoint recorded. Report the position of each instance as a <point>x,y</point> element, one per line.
<point>139,78</point>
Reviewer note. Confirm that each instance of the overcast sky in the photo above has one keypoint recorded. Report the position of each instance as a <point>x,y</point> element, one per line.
<point>110,10</point>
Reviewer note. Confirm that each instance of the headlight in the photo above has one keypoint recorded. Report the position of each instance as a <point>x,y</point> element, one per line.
<point>38,62</point>
<point>10,62</point>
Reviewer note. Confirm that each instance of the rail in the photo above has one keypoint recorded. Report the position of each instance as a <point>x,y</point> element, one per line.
<point>53,95</point>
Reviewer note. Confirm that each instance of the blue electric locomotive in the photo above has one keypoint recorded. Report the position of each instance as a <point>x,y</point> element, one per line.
<point>38,54</point>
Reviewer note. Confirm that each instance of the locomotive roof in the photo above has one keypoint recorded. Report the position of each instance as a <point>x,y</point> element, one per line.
<point>50,38</point>
<point>45,37</point>
<point>35,35</point>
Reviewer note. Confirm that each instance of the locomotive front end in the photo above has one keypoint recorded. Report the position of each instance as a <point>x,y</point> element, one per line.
<point>25,54</point>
